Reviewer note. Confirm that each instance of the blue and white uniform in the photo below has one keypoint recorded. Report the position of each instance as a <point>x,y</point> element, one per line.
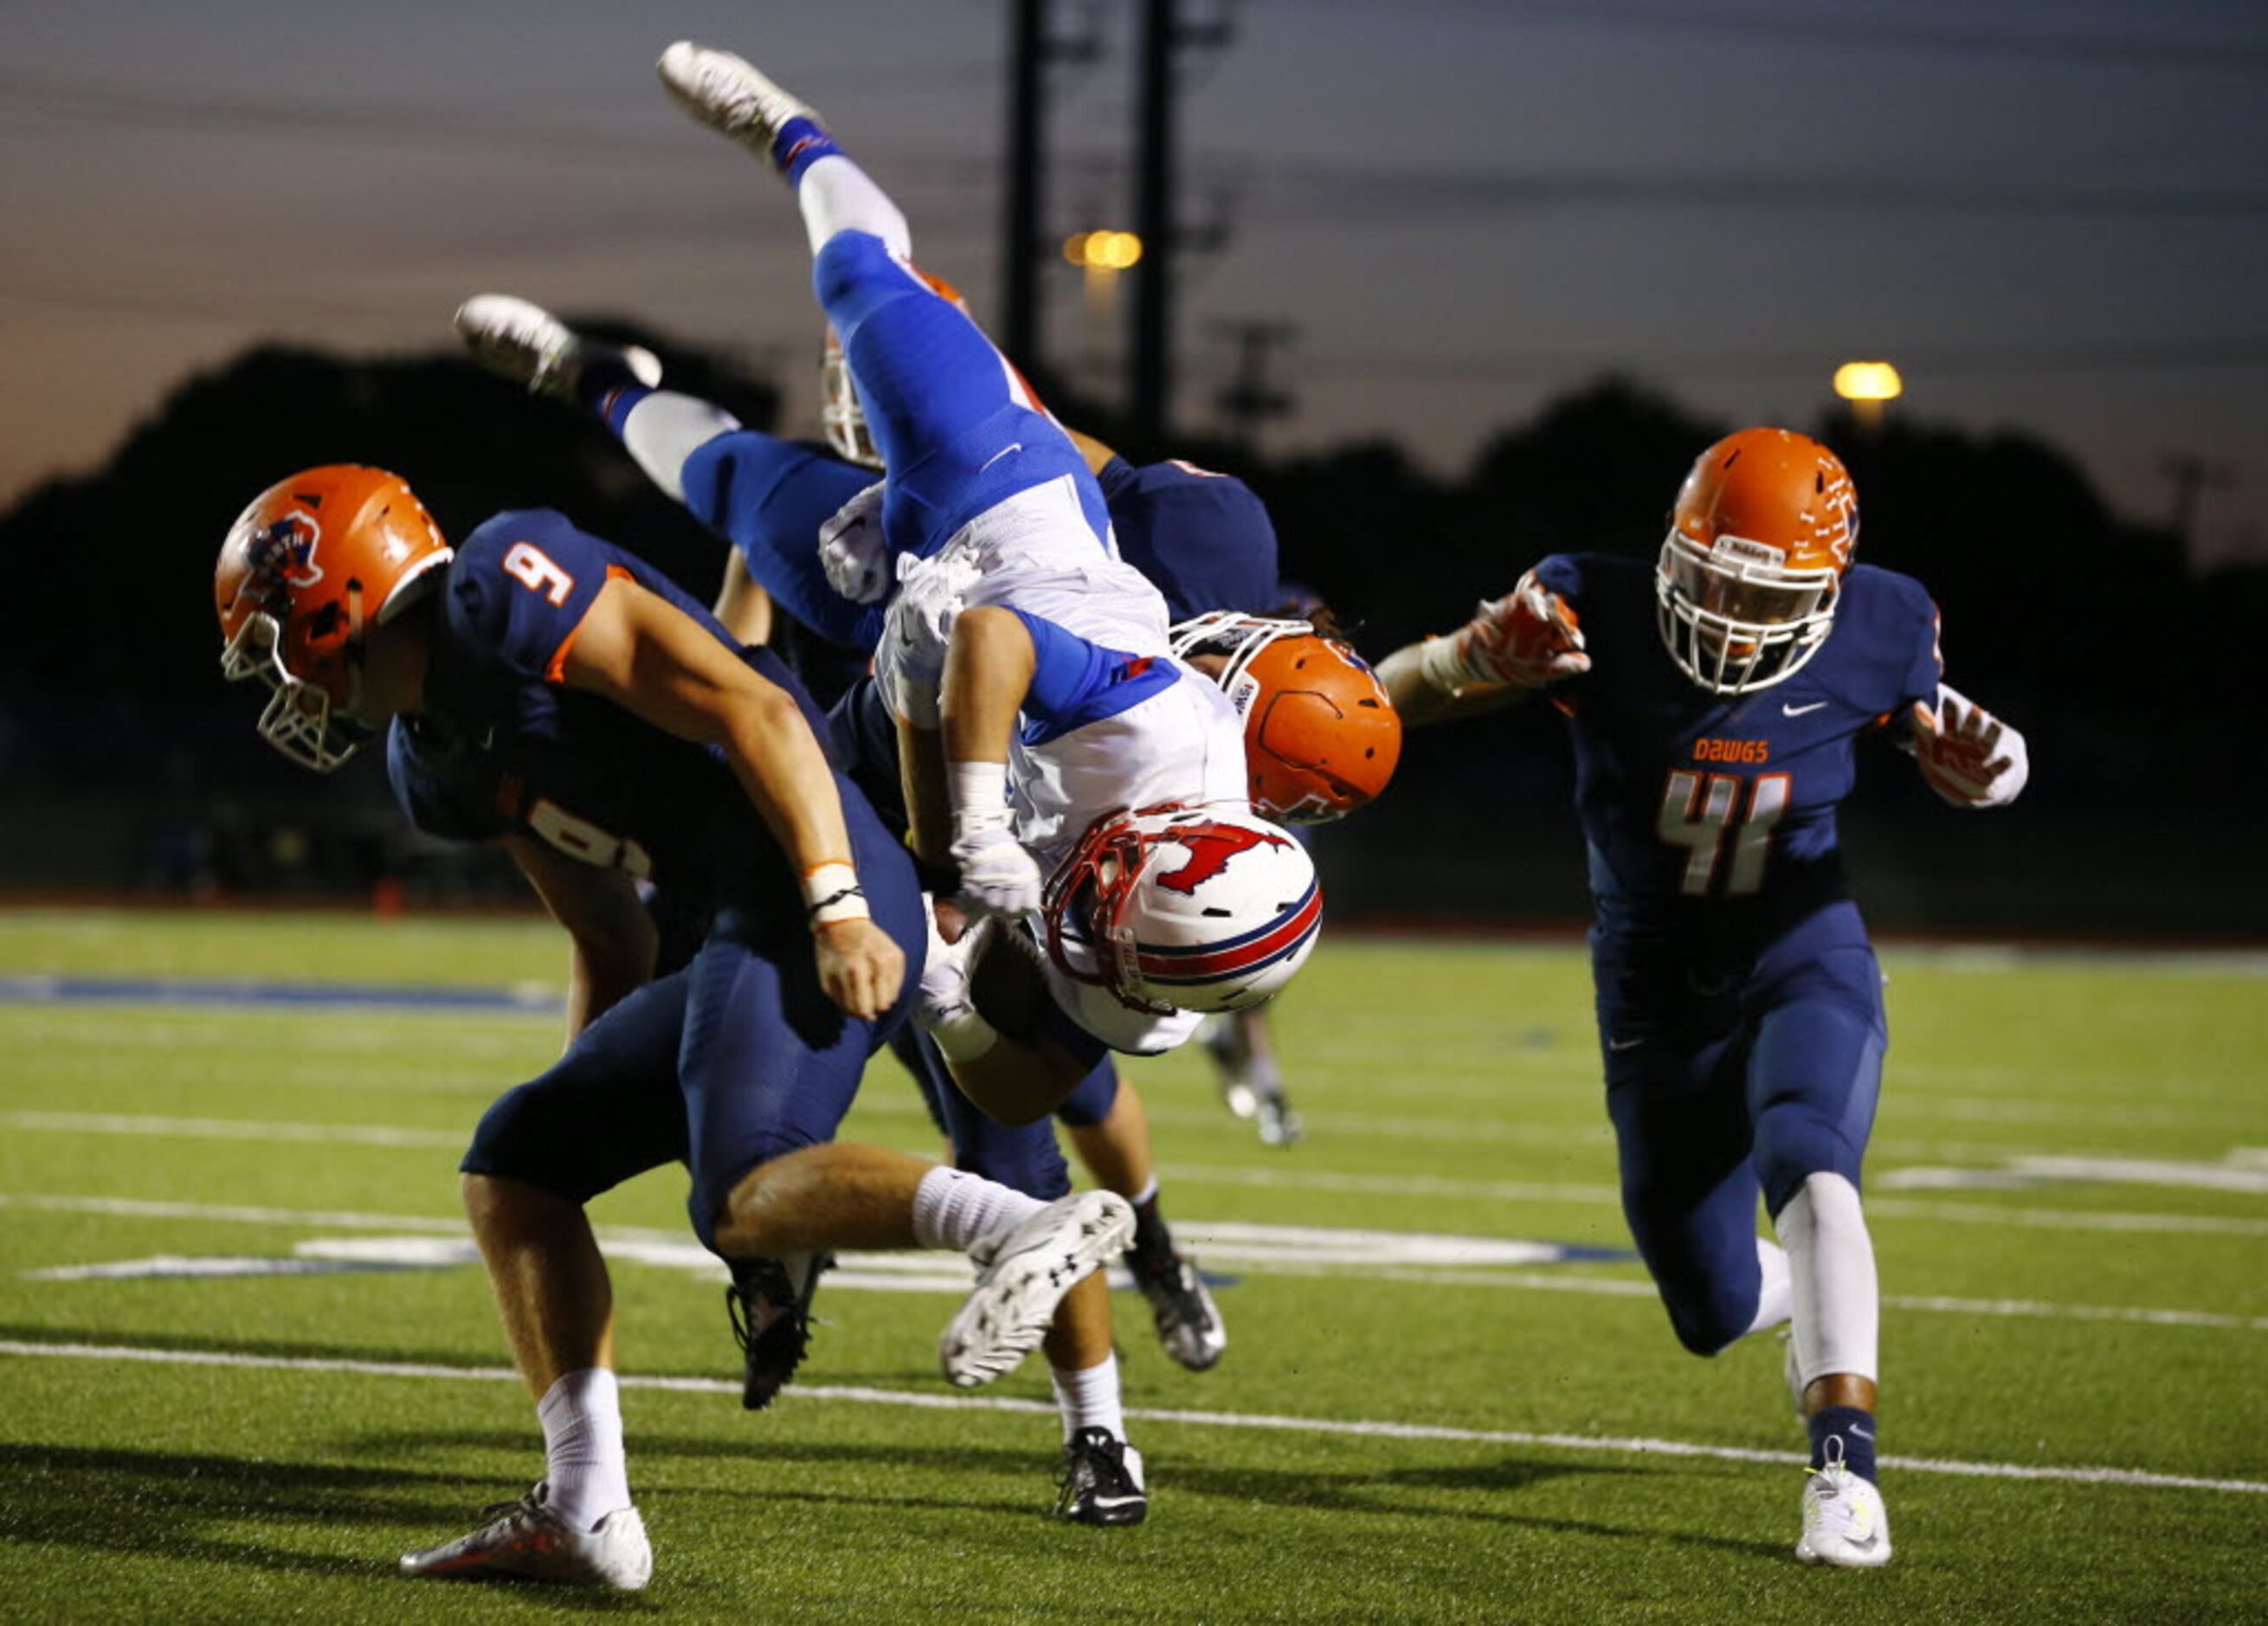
<point>739,1057</point>
<point>1739,1001</point>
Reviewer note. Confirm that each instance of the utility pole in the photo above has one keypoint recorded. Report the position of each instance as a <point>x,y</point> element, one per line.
<point>1020,326</point>
<point>2190,476</point>
<point>1250,399</point>
<point>1031,48</point>
<point>1149,381</point>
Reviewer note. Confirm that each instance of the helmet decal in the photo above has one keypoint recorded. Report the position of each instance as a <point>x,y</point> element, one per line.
<point>1210,847</point>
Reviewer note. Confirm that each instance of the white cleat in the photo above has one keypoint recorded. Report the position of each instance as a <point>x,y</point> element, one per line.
<point>726,93</point>
<point>527,1540</point>
<point>528,344</point>
<point>1844,1523</point>
<point>1022,1274</point>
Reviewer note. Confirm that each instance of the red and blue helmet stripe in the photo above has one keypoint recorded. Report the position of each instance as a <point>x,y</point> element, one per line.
<point>1203,964</point>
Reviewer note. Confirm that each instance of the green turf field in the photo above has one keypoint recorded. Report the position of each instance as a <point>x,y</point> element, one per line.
<point>2069,1189</point>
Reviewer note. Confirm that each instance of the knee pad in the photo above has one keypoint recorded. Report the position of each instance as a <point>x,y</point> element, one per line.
<point>1710,1316</point>
<point>525,1137</point>
<point>1793,1141</point>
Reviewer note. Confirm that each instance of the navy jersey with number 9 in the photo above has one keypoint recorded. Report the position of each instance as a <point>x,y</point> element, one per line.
<point>500,744</point>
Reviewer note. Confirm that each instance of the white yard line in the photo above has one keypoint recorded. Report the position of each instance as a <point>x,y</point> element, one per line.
<point>1619,1445</point>
<point>1266,1250</point>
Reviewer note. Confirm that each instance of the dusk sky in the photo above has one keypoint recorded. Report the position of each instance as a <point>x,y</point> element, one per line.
<point>2050,213</point>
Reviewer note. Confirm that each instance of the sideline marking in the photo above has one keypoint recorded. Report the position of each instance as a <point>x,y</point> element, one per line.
<point>1627,1445</point>
<point>525,998</point>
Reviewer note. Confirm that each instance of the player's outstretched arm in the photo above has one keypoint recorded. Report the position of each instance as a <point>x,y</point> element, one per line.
<point>1969,757</point>
<point>1513,646</point>
<point>613,936</point>
<point>989,664</point>
<point>636,649</point>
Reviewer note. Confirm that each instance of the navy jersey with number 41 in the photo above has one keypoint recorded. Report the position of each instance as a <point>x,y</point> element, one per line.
<point>1710,818</point>
<point>501,744</point>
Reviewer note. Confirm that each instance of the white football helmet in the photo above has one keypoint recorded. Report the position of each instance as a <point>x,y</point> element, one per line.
<point>1181,907</point>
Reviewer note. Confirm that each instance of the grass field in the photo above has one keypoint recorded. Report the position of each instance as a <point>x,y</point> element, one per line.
<point>245,1365</point>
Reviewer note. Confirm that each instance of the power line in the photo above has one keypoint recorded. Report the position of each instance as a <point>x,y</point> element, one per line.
<point>1944,361</point>
<point>2125,50</point>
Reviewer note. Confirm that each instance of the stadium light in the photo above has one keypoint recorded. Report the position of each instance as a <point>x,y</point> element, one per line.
<point>1103,251</point>
<point>1866,385</point>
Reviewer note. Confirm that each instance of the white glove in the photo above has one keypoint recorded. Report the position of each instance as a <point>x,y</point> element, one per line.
<point>1526,639</point>
<point>852,550</point>
<point>999,875</point>
<point>910,660</point>
<point>1969,757</point>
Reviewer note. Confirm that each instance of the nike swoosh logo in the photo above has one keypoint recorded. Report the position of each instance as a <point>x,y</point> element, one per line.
<point>1786,710</point>
<point>1863,1433</point>
<point>998,455</point>
<point>1624,1044</point>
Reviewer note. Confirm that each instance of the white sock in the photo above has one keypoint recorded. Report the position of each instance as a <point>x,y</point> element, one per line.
<point>1148,1194</point>
<point>1089,1399</point>
<point>1838,1312</point>
<point>956,1210</point>
<point>1774,1300</point>
<point>581,1420</point>
<point>836,196</point>
<point>665,429</point>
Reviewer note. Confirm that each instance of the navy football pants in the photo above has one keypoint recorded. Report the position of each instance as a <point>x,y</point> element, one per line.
<point>1723,1088</point>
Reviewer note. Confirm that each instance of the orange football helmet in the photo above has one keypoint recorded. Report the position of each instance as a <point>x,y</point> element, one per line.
<point>314,562</point>
<point>1764,528</point>
<point>1321,738</point>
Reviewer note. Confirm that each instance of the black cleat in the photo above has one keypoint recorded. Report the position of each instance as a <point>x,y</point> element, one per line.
<point>770,1302</point>
<point>1102,1480</point>
<point>1188,1322</point>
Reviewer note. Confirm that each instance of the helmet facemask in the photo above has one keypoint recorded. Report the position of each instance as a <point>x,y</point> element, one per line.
<point>842,416</point>
<point>1735,618</point>
<point>298,719</point>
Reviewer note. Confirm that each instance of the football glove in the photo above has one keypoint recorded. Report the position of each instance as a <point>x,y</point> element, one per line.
<point>1969,757</point>
<point>1526,639</point>
<point>852,552</point>
<point>999,875</point>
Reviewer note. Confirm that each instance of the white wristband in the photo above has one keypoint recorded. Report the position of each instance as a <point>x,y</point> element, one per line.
<point>980,796</point>
<point>832,892</point>
<point>1440,665</point>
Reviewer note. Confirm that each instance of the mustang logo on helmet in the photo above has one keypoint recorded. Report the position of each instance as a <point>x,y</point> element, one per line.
<point>1210,847</point>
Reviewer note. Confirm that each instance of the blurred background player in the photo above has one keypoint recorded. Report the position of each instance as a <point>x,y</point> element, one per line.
<point>1714,702</point>
<point>540,688</point>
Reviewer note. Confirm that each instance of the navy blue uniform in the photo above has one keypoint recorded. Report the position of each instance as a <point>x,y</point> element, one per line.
<point>739,1057</point>
<point>1739,1001</point>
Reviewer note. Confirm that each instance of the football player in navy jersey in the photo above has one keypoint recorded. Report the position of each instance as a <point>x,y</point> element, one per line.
<point>543,689</point>
<point>1716,701</point>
